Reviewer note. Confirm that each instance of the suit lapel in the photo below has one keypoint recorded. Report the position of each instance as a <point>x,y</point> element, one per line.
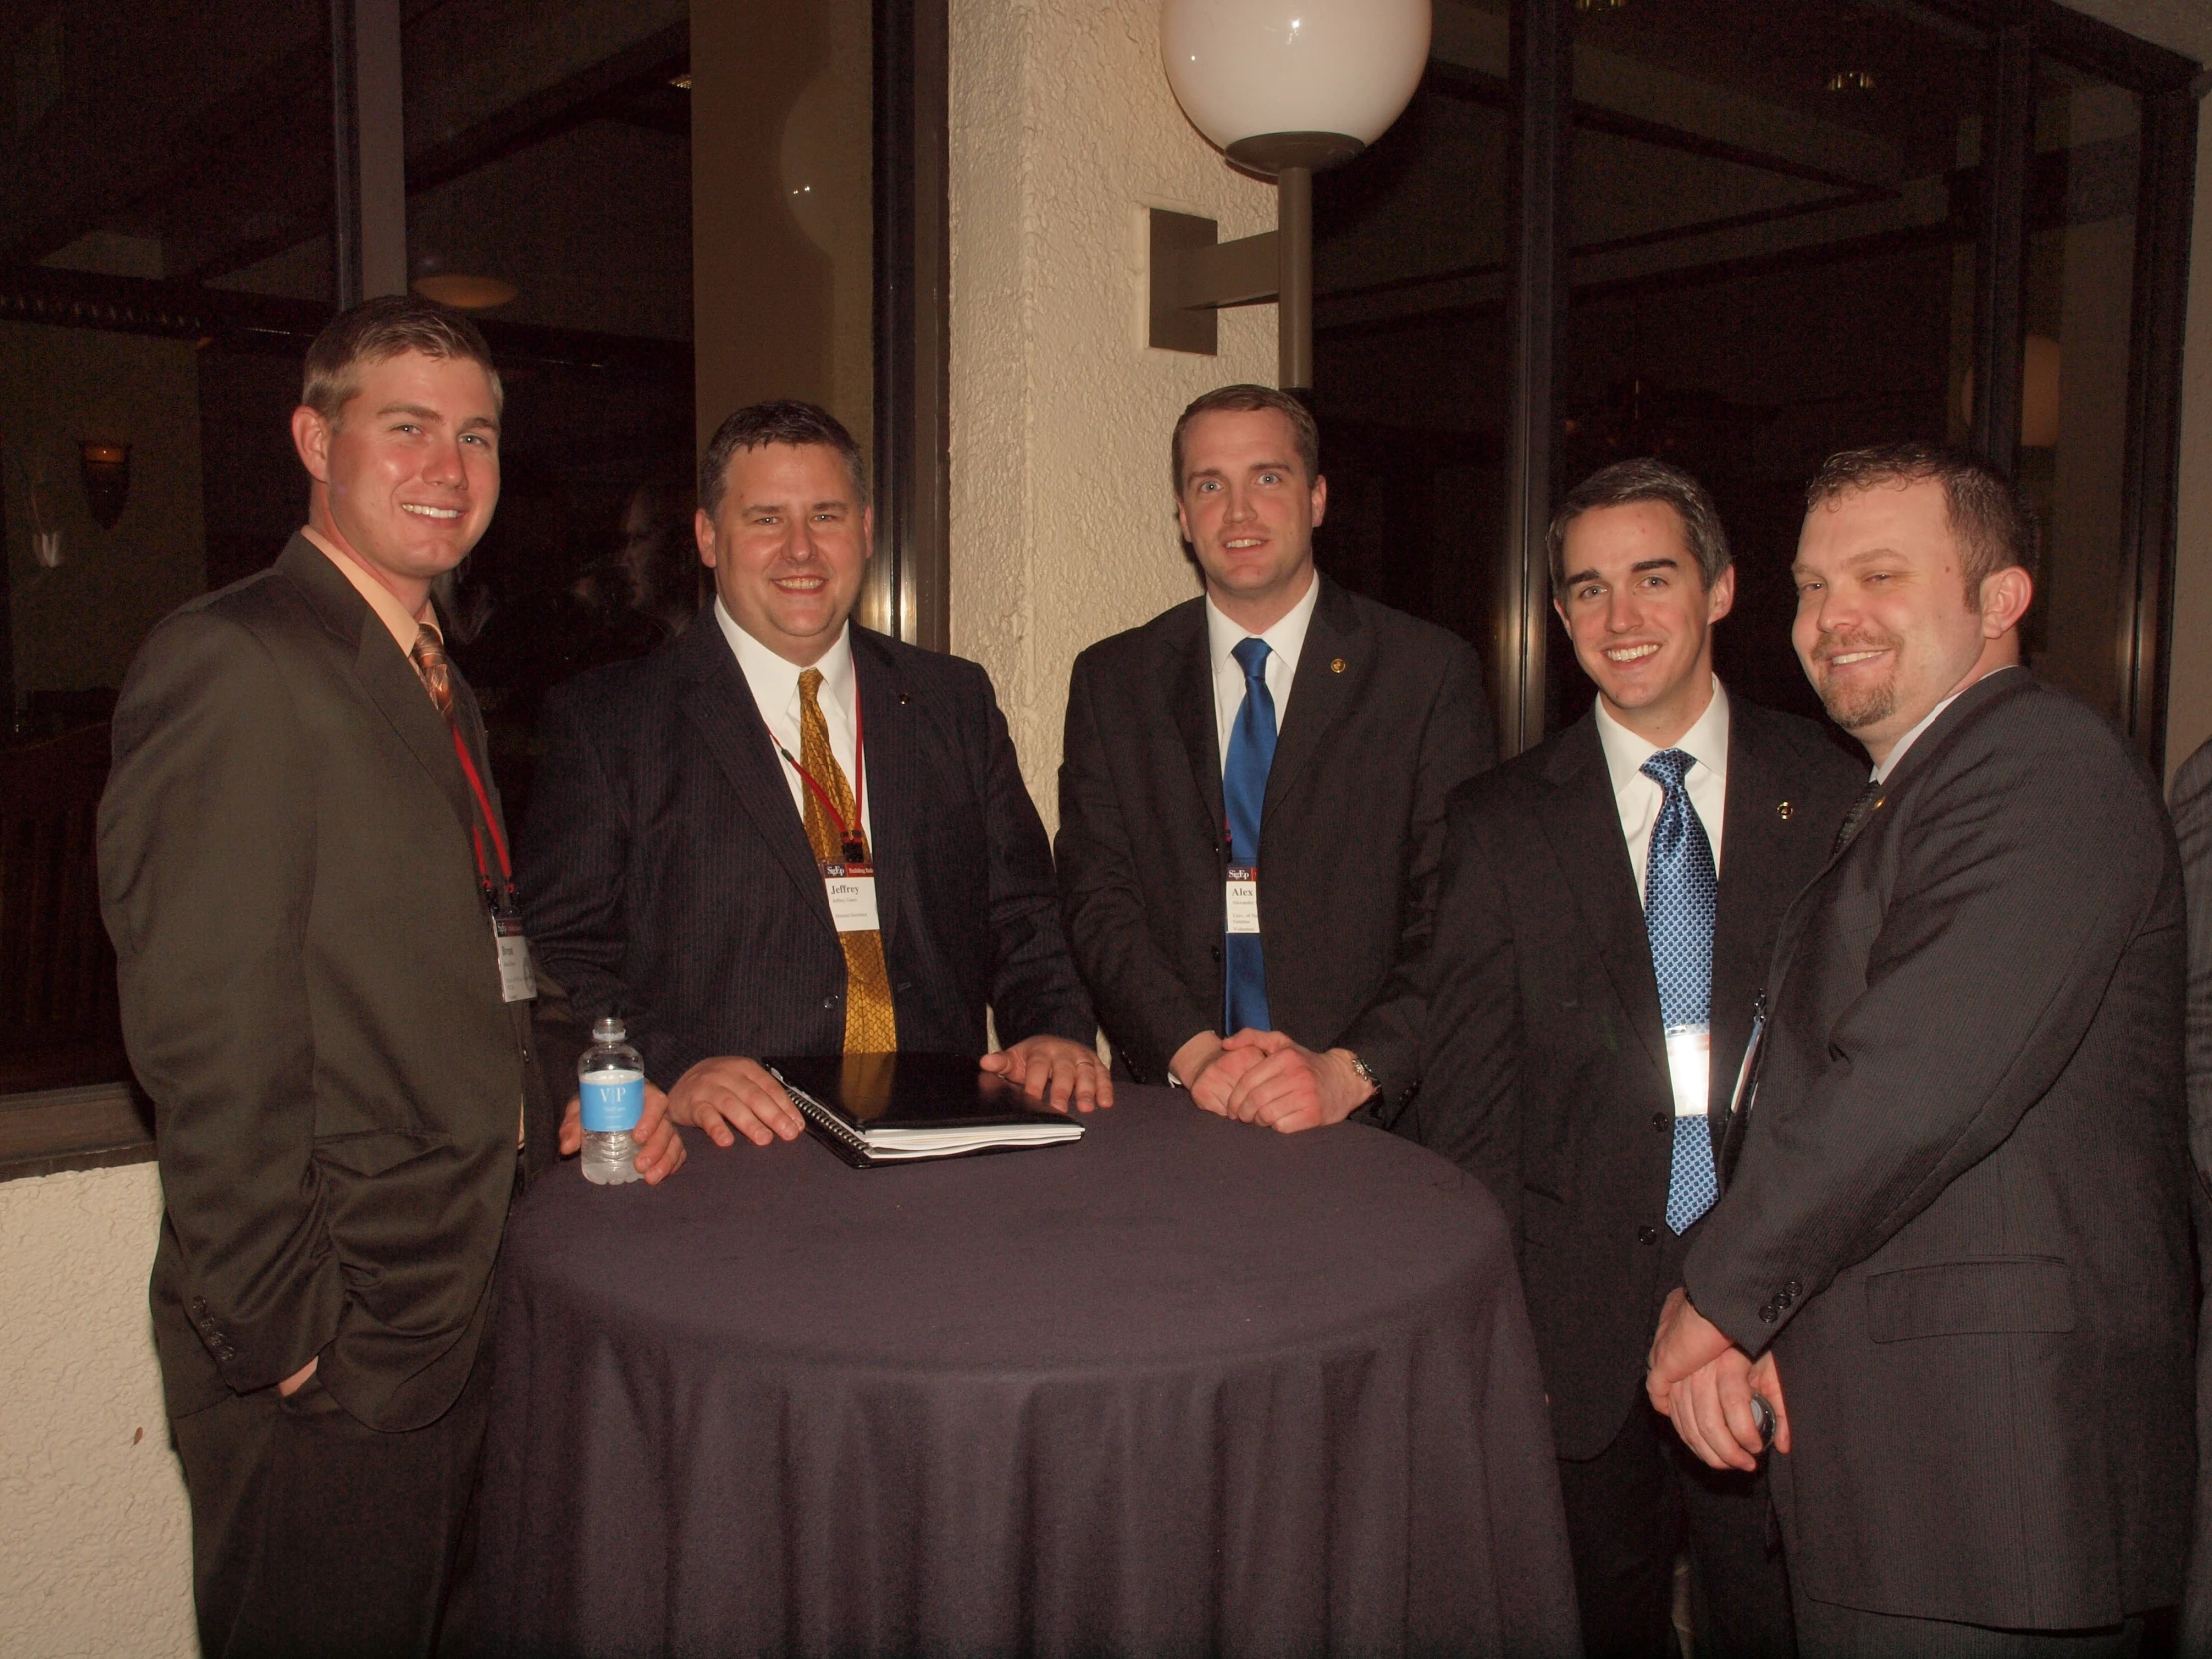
<point>1582,820</point>
<point>1754,888</point>
<point>887,719</point>
<point>717,702</point>
<point>1334,666</point>
<point>1192,674</point>
<point>383,668</point>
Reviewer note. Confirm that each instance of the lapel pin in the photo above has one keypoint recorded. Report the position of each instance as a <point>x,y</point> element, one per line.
<point>1336,665</point>
<point>904,699</point>
<point>1784,809</point>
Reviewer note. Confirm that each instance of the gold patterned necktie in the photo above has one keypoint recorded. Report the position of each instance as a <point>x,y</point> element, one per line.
<point>870,1024</point>
<point>429,659</point>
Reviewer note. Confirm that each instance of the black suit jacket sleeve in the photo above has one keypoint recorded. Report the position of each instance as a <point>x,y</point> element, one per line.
<point>1141,996</point>
<point>2192,809</point>
<point>1035,991</point>
<point>1474,1027</point>
<point>580,816</point>
<point>2017,886</point>
<point>208,842</point>
<point>1457,741</point>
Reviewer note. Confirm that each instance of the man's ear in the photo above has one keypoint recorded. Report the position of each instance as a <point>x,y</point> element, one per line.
<point>867,533</point>
<point>311,436</point>
<point>1321,499</point>
<point>703,533</point>
<point>1721,598</point>
<point>2005,597</point>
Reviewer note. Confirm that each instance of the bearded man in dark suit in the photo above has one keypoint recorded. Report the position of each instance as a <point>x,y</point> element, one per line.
<point>1954,1253</point>
<point>1607,908</point>
<point>301,866</point>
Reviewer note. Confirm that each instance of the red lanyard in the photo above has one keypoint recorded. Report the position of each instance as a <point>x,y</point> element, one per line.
<point>490,821</point>
<point>855,848</point>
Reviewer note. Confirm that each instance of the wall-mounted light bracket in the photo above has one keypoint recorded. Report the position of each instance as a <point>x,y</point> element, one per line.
<point>1194,274</point>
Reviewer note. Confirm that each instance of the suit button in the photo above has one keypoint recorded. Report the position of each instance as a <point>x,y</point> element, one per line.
<point>199,1304</point>
<point>828,1003</point>
<point>1647,1235</point>
<point>1216,953</point>
<point>1768,1312</point>
<point>1792,1290</point>
<point>1661,1122</point>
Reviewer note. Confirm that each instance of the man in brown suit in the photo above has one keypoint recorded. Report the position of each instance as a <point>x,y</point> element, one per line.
<point>304,868</point>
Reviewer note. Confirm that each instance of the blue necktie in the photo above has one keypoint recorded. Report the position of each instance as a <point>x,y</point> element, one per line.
<point>1244,788</point>
<point>1680,896</point>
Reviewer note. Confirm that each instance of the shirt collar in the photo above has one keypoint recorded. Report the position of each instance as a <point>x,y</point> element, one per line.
<point>1285,638</point>
<point>775,679</point>
<point>1890,761</point>
<point>1706,741</point>
<point>404,628</point>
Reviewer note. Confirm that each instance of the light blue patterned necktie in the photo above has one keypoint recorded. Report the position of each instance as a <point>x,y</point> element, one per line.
<point>1244,790</point>
<point>1680,896</point>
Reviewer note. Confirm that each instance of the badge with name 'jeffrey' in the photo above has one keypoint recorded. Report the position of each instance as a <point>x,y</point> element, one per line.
<point>852,891</point>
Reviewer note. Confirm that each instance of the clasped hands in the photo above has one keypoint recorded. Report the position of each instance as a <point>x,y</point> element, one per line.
<point>1704,1383</point>
<point>728,1096</point>
<point>1264,1077</point>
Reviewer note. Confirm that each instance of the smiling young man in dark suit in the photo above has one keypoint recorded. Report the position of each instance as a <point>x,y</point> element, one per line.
<point>295,866</point>
<point>1592,975</point>
<point>1251,795</point>
<point>674,868</point>
<point>1953,1251</point>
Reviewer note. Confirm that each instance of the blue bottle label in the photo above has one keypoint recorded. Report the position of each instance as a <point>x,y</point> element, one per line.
<point>612,1100</point>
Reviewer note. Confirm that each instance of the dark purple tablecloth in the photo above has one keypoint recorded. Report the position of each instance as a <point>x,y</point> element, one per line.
<point>1187,1386</point>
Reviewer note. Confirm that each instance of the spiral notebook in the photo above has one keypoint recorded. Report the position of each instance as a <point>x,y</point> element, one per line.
<point>875,1109</point>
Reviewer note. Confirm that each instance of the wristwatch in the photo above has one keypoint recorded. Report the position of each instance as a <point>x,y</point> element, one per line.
<point>1366,1071</point>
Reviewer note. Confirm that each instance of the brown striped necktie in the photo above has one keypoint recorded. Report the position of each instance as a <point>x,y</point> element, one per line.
<point>429,659</point>
<point>870,1024</point>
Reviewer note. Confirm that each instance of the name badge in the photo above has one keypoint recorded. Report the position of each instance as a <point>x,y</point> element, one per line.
<point>516,982</point>
<point>1242,899</point>
<point>1689,1067</point>
<point>852,891</point>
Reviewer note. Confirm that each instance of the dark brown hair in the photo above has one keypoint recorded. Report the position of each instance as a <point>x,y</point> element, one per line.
<point>1995,528</point>
<point>1627,482</point>
<point>1304,436</point>
<point>780,420</point>
<point>377,331</point>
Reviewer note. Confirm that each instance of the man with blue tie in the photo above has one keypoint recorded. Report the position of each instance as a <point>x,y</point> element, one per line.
<point>1607,905</point>
<point>1251,798</point>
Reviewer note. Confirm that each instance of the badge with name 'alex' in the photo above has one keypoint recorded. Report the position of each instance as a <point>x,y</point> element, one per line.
<point>516,982</point>
<point>852,891</point>
<point>1242,899</point>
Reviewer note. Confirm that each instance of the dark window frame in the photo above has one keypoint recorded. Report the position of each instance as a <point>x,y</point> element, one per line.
<point>2018,32</point>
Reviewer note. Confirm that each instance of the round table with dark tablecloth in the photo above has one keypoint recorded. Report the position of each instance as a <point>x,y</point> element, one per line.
<point>1185,1386</point>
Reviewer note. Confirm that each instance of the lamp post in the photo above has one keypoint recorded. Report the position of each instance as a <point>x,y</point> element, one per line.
<point>1283,88</point>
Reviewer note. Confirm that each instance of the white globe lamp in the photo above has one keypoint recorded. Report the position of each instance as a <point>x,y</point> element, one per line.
<point>1285,88</point>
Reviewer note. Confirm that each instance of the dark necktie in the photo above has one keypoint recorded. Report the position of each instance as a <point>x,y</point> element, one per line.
<point>1244,790</point>
<point>1680,896</point>
<point>1855,819</point>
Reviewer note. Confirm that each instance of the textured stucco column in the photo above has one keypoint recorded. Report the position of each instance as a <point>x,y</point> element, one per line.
<point>93,1524</point>
<point>1063,132</point>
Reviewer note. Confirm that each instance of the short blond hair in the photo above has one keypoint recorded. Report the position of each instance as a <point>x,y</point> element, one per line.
<point>377,331</point>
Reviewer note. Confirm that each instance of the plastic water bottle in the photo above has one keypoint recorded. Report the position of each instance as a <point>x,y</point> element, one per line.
<point>610,1083</point>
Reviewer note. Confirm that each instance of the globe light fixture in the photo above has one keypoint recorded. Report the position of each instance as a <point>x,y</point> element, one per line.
<point>1285,88</point>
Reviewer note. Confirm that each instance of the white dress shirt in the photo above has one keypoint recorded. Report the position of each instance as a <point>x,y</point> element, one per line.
<point>1889,763</point>
<point>1639,797</point>
<point>1284,640</point>
<point>773,682</point>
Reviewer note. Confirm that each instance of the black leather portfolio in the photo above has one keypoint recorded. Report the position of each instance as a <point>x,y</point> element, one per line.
<point>875,1109</point>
